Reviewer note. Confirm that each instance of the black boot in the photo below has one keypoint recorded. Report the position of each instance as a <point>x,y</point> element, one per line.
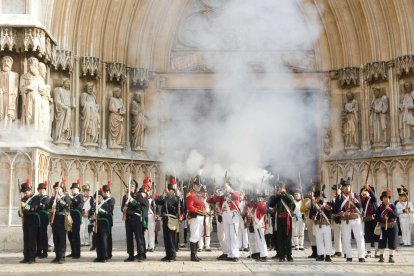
<point>193,249</point>
<point>328,258</point>
<point>381,258</point>
<point>320,258</point>
<point>196,250</point>
<point>314,253</point>
<point>391,259</point>
<point>131,258</point>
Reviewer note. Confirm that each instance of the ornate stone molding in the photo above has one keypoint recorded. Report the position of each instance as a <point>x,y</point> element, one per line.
<point>90,66</point>
<point>8,38</point>
<point>348,76</point>
<point>63,59</point>
<point>116,71</point>
<point>28,39</point>
<point>140,77</point>
<point>376,71</point>
<point>404,65</point>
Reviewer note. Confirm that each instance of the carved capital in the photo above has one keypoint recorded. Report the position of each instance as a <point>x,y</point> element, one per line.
<point>404,65</point>
<point>90,66</point>
<point>116,71</point>
<point>8,38</point>
<point>63,59</point>
<point>376,71</point>
<point>348,76</point>
<point>140,77</point>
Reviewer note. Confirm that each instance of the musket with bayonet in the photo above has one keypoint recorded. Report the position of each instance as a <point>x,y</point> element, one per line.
<point>20,197</point>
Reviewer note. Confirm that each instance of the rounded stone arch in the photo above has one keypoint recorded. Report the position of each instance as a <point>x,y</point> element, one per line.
<point>141,173</point>
<point>363,172</point>
<point>43,171</point>
<point>335,169</point>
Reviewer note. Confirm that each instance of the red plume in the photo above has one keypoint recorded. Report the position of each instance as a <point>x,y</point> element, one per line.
<point>101,190</point>
<point>389,192</point>
<point>173,182</point>
<point>78,182</point>
<point>28,182</point>
<point>63,181</point>
<point>46,183</point>
<point>109,183</point>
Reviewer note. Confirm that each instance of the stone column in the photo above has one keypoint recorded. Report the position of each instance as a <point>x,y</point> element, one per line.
<point>76,90</point>
<point>127,100</point>
<point>103,106</point>
<point>393,106</point>
<point>364,113</point>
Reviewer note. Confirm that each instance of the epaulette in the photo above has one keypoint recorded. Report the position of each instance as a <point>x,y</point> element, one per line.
<point>188,194</point>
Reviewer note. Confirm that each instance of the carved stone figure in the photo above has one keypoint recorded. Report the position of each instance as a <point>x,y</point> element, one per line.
<point>351,121</point>
<point>46,101</point>
<point>30,84</point>
<point>63,112</point>
<point>137,122</point>
<point>378,118</point>
<point>116,119</point>
<point>9,87</point>
<point>89,110</point>
<point>406,112</point>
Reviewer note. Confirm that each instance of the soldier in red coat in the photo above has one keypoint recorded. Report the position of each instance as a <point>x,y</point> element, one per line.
<point>260,227</point>
<point>195,216</point>
<point>248,215</point>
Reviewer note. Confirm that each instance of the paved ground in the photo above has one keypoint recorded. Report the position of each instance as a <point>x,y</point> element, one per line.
<point>9,264</point>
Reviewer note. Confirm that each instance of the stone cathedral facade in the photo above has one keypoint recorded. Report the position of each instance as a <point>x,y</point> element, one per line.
<point>78,78</point>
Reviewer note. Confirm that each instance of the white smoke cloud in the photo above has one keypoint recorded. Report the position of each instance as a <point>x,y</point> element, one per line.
<point>241,128</point>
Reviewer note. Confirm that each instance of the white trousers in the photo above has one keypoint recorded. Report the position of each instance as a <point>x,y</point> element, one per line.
<point>205,230</point>
<point>323,240</point>
<point>150,232</point>
<point>195,228</point>
<point>405,230</point>
<point>84,235</point>
<point>254,248</point>
<point>298,232</point>
<point>261,241</point>
<point>354,226</point>
<point>231,226</point>
<point>337,237</point>
<point>221,236</point>
<point>242,237</point>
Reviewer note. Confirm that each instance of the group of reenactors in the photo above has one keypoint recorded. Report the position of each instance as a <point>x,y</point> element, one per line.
<point>251,222</point>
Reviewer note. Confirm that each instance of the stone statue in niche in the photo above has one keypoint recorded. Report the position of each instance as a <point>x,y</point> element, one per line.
<point>351,121</point>
<point>379,118</point>
<point>406,120</point>
<point>46,101</point>
<point>137,122</point>
<point>90,120</point>
<point>62,131</point>
<point>9,87</point>
<point>30,85</point>
<point>116,120</point>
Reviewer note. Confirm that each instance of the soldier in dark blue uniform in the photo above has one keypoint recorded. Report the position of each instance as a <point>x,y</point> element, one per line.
<point>43,212</point>
<point>76,214</point>
<point>104,225</point>
<point>133,206</point>
<point>169,203</point>
<point>59,205</point>
<point>31,221</point>
<point>386,215</point>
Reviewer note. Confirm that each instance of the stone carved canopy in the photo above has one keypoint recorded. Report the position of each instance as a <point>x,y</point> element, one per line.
<point>376,71</point>
<point>63,59</point>
<point>116,71</point>
<point>348,76</point>
<point>404,65</point>
<point>140,77</point>
<point>90,66</point>
<point>28,39</point>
